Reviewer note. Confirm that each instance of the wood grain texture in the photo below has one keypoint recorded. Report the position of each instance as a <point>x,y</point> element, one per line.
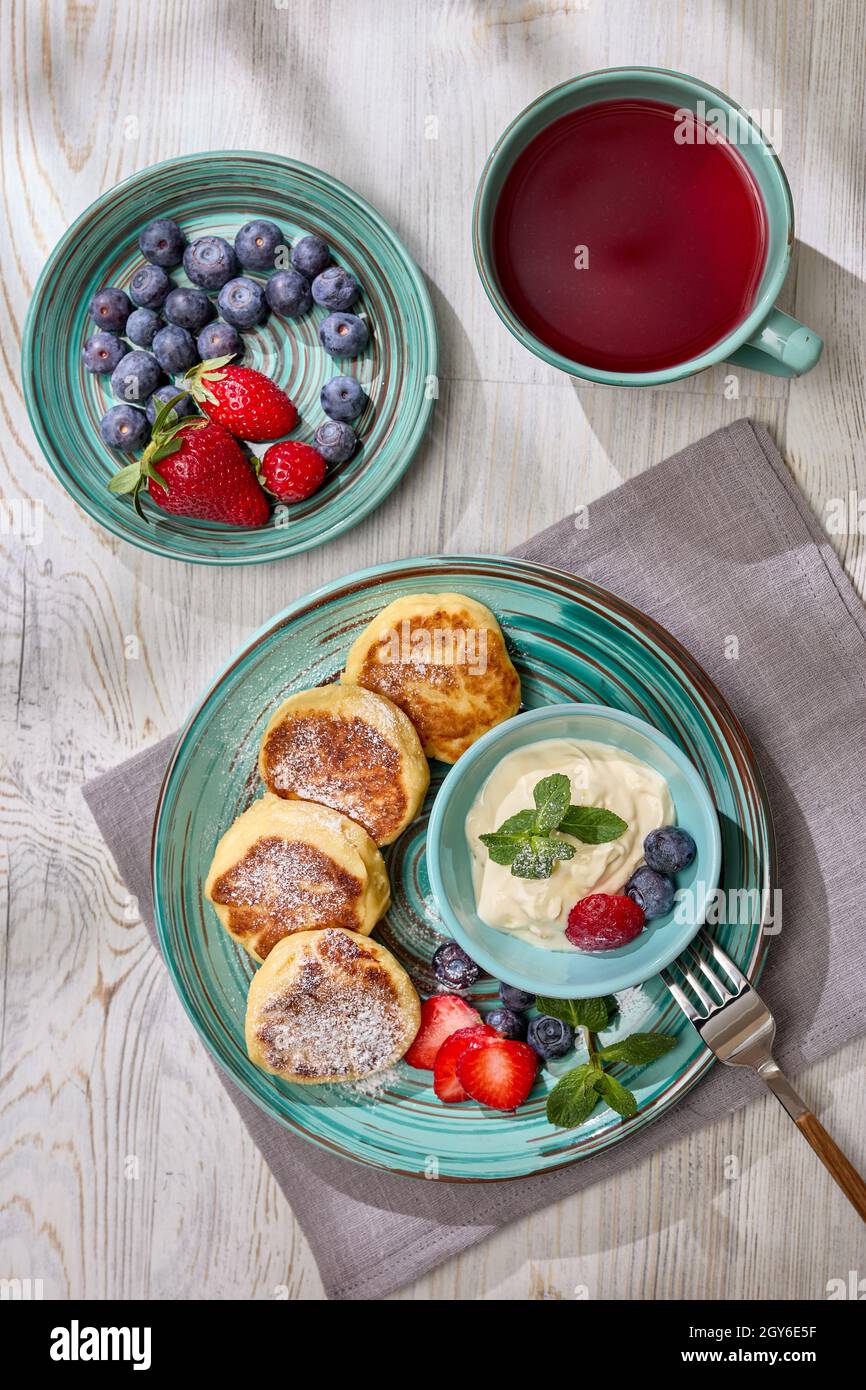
<point>125,1171</point>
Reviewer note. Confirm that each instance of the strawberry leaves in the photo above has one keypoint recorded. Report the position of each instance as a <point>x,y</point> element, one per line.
<point>577,1093</point>
<point>526,840</point>
<point>165,440</point>
<point>196,379</point>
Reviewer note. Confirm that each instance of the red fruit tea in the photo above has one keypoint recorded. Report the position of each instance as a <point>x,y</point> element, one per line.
<point>674,231</point>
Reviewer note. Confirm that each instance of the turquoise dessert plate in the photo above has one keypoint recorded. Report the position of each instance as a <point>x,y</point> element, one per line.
<point>216,193</point>
<point>571,974</point>
<point>571,643</point>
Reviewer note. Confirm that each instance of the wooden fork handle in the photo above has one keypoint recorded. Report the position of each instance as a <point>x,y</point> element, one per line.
<point>841,1170</point>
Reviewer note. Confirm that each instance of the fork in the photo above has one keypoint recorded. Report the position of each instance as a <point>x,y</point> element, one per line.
<point>735,1023</point>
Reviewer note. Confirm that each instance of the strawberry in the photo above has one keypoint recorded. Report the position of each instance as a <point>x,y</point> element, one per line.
<point>441,1016</point>
<point>292,470</point>
<point>194,468</point>
<point>497,1072</point>
<point>445,1082</point>
<point>242,399</point>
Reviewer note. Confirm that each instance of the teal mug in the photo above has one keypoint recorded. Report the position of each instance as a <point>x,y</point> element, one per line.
<point>766,339</point>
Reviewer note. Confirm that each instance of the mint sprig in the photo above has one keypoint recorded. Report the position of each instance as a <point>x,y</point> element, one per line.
<point>526,841</point>
<point>578,1092</point>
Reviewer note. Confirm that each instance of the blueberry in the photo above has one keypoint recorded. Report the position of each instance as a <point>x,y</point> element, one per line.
<point>289,293</point>
<point>669,849</point>
<point>343,398</point>
<point>453,967</point>
<point>141,326</point>
<point>149,287</point>
<point>174,349</point>
<point>343,335</point>
<point>184,406</point>
<point>162,242</point>
<point>310,256</point>
<point>189,309</point>
<point>550,1037</point>
<point>514,998</point>
<point>242,302</point>
<point>508,1022</point>
<point>336,441</point>
<point>335,288</point>
<point>123,427</point>
<point>210,262</point>
<point>110,308</point>
<point>102,352</point>
<point>256,244</point>
<point>218,339</point>
<point>136,376</point>
<point>652,891</point>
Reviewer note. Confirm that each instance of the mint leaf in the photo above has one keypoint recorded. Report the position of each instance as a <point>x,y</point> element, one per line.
<point>530,856</point>
<point>616,1095</point>
<point>638,1049</point>
<point>551,795</point>
<point>593,825</point>
<point>580,1013</point>
<point>562,849</point>
<point>527,863</point>
<point>523,823</point>
<point>538,856</point>
<point>501,848</point>
<point>525,841</point>
<point>574,1097</point>
<point>503,844</point>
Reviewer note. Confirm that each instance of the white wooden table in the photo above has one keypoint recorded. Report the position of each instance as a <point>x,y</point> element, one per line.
<point>400,99</point>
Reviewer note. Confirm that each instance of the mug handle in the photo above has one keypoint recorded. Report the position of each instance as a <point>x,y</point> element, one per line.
<point>781,346</point>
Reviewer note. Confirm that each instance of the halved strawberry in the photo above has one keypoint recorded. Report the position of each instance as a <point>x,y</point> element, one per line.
<point>445,1082</point>
<point>441,1016</point>
<point>498,1072</point>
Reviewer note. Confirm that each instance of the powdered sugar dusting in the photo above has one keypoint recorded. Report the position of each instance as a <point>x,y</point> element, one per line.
<point>283,886</point>
<point>344,763</point>
<point>340,1015</point>
<point>370,1087</point>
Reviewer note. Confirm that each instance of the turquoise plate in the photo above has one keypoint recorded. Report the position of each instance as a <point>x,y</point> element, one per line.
<point>570,641</point>
<point>217,193</point>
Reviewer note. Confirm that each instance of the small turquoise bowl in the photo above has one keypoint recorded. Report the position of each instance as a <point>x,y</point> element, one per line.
<point>570,974</point>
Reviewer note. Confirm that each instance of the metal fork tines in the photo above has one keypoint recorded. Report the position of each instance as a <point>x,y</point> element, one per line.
<point>731,1018</point>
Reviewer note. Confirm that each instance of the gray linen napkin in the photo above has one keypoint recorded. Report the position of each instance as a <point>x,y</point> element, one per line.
<point>714,542</point>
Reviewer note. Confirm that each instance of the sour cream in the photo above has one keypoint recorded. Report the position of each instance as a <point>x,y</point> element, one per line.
<point>537,909</point>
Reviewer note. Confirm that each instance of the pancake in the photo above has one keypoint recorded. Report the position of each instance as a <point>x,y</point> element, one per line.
<point>330,1006</point>
<point>350,749</point>
<point>441,658</point>
<point>291,866</point>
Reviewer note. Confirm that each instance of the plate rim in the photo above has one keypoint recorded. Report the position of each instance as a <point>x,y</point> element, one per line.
<point>363,578</point>
<point>108,521</point>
